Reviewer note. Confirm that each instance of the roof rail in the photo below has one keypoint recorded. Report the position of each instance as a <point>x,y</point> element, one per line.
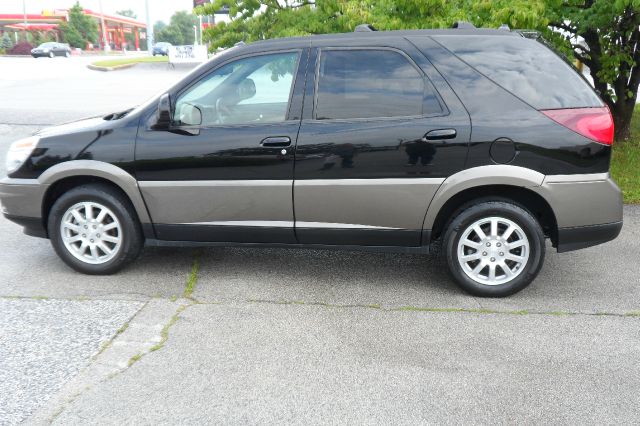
<point>463,25</point>
<point>532,34</point>
<point>363,28</point>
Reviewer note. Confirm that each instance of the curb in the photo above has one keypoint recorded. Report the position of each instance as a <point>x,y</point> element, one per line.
<point>114,68</point>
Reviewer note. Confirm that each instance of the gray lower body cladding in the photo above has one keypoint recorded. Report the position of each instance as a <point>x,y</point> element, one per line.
<point>375,212</point>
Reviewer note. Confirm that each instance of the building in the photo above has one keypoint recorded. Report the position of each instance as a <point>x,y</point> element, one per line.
<point>118,28</point>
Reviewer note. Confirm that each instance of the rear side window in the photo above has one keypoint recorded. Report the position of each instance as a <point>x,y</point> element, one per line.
<point>369,84</point>
<point>526,68</point>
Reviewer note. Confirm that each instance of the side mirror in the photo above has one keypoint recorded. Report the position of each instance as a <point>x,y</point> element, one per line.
<point>163,114</point>
<point>190,115</point>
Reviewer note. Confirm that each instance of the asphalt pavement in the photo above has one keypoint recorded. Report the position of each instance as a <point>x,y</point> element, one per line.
<point>230,335</point>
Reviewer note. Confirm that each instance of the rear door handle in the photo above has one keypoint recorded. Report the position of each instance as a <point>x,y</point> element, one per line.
<point>440,134</point>
<point>276,141</point>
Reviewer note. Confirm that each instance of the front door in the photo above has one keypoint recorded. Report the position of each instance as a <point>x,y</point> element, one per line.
<point>380,141</point>
<point>224,170</point>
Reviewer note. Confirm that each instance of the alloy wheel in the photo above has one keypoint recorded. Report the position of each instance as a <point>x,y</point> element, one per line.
<point>91,232</point>
<point>493,250</point>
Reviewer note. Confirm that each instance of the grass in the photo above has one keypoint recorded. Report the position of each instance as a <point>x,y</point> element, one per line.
<point>193,278</point>
<point>126,61</point>
<point>625,164</point>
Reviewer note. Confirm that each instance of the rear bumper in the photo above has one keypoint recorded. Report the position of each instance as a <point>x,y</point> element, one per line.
<point>32,226</point>
<point>580,237</point>
<point>587,209</point>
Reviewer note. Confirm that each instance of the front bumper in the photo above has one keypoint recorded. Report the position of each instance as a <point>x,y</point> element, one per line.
<point>587,208</point>
<point>21,201</point>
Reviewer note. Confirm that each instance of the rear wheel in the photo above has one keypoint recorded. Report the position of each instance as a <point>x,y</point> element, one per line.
<point>67,54</point>
<point>494,248</point>
<point>94,229</point>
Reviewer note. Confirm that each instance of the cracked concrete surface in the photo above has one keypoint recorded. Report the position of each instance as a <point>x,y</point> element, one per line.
<point>297,335</point>
<point>265,363</point>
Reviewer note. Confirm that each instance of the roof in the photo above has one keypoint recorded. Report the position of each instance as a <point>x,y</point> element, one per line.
<point>395,33</point>
<point>58,15</point>
<point>33,26</point>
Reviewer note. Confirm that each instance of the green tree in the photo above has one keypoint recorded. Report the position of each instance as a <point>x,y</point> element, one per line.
<point>6,43</point>
<point>610,35</point>
<point>180,29</point>
<point>80,29</point>
<point>159,26</point>
<point>603,34</point>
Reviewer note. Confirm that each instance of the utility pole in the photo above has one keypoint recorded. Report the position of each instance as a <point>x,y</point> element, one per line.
<point>105,41</point>
<point>24,15</point>
<point>200,20</point>
<point>149,28</point>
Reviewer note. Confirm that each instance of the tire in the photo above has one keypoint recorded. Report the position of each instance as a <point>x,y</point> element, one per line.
<point>51,55</point>
<point>118,231</point>
<point>67,54</point>
<point>515,261</point>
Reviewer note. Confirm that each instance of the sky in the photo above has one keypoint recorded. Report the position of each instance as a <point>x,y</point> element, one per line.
<point>160,10</point>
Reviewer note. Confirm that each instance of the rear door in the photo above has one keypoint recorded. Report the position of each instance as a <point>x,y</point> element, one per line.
<point>380,132</point>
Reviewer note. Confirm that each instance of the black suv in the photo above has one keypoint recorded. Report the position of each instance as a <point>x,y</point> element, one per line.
<point>474,143</point>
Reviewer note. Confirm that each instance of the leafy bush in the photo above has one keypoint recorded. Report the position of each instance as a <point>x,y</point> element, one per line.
<point>6,42</point>
<point>21,48</point>
<point>2,51</point>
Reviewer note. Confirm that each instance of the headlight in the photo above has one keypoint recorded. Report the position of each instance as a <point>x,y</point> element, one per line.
<point>19,151</point>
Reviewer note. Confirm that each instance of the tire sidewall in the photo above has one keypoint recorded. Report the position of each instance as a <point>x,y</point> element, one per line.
<point>129,228</point>
<point>517,214</point>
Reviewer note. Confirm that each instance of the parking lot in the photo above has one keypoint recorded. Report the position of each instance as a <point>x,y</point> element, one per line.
<point>279,335</point>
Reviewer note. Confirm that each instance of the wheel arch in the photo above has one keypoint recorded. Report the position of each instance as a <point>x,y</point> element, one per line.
<point>505,182</point>
<point>67,175</point>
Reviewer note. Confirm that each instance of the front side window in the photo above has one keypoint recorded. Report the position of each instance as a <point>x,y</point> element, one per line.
<point>247,91</point>
<point>371,83</point>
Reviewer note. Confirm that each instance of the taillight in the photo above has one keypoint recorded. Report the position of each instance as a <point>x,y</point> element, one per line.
<point>592,123</point>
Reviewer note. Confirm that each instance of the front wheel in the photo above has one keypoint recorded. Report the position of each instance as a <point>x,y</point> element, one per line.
<point>51,55</point>
<point>494,248</point>
<point>94,229</point>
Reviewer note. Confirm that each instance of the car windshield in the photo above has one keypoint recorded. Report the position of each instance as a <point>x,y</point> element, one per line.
<point>47,45</point>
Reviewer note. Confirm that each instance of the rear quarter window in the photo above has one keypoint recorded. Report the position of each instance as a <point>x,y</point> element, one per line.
<point>526,68</point>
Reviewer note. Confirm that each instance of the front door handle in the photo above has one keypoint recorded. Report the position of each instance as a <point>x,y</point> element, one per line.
<point>276,141</point>
<point>436,135</point>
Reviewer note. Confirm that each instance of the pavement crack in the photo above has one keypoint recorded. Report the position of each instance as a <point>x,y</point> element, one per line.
<point>409,308</point>
<point>146,331</point>
<point>144,298</point>
<point>192,280</point>
<point>93,358</point>
<point>164,336</point>
<point>118,332</point>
